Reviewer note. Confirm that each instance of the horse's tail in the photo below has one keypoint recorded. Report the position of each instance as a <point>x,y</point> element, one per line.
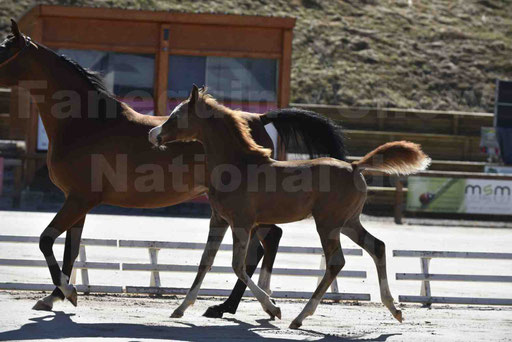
<point>400,157</point>
<point>304,131</point>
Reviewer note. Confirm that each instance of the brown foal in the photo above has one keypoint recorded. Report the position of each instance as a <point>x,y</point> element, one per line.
<point>99,154</point>
<point>249,188</point>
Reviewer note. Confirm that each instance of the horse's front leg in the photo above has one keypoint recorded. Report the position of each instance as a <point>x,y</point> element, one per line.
<point>71,250</point>
<point>218,228</point>
<point>74,209</point>
<point>241,238</point>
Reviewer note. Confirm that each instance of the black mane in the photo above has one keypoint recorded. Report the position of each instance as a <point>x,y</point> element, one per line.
<point>94,78</point>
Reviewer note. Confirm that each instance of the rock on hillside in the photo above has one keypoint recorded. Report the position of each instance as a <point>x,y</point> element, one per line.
<point>432,54</point>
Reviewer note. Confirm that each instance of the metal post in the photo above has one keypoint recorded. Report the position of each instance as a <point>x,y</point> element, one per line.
<point>155,275</point>
<point>425,284</point>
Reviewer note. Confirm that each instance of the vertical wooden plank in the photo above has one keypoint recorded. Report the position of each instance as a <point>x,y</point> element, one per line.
<point>399,201</point>
<point>425,284</point>
<point>162,71</point>
<point>285,70</point>
<point>155,275</point>
<point>84,271</point>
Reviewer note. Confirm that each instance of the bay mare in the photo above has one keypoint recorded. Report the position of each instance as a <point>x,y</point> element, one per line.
<point>335,194</point>
<point>99,154</point>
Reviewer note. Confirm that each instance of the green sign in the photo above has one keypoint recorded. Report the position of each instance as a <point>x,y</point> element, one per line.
<point>459,195</point>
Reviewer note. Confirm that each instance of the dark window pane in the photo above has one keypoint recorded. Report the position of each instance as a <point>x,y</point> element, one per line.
<point>125,74</point>
<point>242,79</point>
<point>183,72</point>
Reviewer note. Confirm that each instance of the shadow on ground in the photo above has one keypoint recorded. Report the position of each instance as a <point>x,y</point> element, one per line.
<point>60,325</point>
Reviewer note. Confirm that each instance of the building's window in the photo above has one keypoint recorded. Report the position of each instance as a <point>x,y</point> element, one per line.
<point>128,76</point>
<point>246,83</point>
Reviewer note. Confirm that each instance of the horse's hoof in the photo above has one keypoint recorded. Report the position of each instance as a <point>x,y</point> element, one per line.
<point>214,312</point>
<point>42,306</point>
<point>295,325</point>
<point>73,297</point>
<point>177,314</point>
<point>398,316</point>
<point>276,313</point>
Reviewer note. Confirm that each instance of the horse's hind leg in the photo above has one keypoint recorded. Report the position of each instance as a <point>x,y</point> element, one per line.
<point>269,237</point>
<point>335,261</point>
<point>377,250</point>
<point>71,250</point>
<point>73,210</point>
<point>218,228</point>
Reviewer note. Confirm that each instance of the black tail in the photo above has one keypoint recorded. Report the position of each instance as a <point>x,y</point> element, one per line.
<point>304,131</point>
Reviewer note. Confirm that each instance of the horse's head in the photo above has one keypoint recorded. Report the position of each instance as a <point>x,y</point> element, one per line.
<point>14,59</point>
<point>184,122</point>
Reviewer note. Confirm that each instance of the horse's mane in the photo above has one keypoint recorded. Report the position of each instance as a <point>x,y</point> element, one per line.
<point>94,78</point>
<point>238,126</point>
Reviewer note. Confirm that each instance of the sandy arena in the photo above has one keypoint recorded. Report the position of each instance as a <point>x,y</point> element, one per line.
<point>136,318</point>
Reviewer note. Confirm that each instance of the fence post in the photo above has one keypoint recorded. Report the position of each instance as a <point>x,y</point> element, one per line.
<point>84,272</point>
<point>323,266</point>
<point>155,275</point>
<point>399,200</point>
<point>425,284</point>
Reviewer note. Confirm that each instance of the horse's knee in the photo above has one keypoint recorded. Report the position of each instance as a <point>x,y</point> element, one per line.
<point>47,239</point>
<point>336,262</point>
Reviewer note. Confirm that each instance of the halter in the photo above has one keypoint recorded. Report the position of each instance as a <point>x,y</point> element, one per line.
<point>10,59</point>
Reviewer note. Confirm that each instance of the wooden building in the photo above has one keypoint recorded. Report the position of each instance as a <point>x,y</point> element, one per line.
<point>150,60</point>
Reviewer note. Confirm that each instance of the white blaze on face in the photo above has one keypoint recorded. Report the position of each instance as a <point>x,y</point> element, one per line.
<point>153,133</point>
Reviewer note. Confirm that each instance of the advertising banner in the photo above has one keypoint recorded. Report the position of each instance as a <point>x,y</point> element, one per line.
<point>459,195</point>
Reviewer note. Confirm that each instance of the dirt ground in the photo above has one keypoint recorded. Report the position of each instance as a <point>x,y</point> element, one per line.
<point>125,318</point>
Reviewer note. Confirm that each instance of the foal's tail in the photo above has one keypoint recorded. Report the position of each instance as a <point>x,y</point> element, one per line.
<point>304,131</point>
<point>400,157</point>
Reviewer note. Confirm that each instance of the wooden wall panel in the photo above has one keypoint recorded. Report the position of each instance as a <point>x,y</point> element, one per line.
<point>88,32</point>
<point>209,38</point>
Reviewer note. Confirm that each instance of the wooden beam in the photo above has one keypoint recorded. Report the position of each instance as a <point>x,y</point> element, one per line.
<point>166,17</point>
<point>285,69</point>
<point>162,71</point>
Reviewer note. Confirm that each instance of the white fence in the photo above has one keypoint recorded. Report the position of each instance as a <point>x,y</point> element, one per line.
<point>155,268</point>
<point>425,277</point>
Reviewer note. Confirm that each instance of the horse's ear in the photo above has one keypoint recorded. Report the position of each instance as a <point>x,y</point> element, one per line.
<point>194,95</point>
<point>14,28</point>
<point>17,34</point>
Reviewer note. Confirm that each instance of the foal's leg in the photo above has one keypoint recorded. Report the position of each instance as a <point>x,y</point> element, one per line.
<point>241,237</point>
<point>218,228</point>
<point>270,239</point>
<point>71,250</point>
<point>73,210</point>
<point>254,255</point>
<point>376,248</point>
<point>335,261</point>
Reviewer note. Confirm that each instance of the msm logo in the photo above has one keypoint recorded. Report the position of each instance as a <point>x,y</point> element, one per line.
<point>504,193</point>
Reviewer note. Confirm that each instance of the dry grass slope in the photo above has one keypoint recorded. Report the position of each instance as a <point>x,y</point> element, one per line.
<point>432,54</point>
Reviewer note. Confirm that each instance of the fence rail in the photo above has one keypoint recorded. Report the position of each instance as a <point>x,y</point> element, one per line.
<point>426,277</point>
<point>154,267</point>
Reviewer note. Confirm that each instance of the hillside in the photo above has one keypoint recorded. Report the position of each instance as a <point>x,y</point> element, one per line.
<point>431,54</point>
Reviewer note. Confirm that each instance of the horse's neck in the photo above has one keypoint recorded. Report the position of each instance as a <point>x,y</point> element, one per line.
<point>221,145</point>
<point>63,98</point>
